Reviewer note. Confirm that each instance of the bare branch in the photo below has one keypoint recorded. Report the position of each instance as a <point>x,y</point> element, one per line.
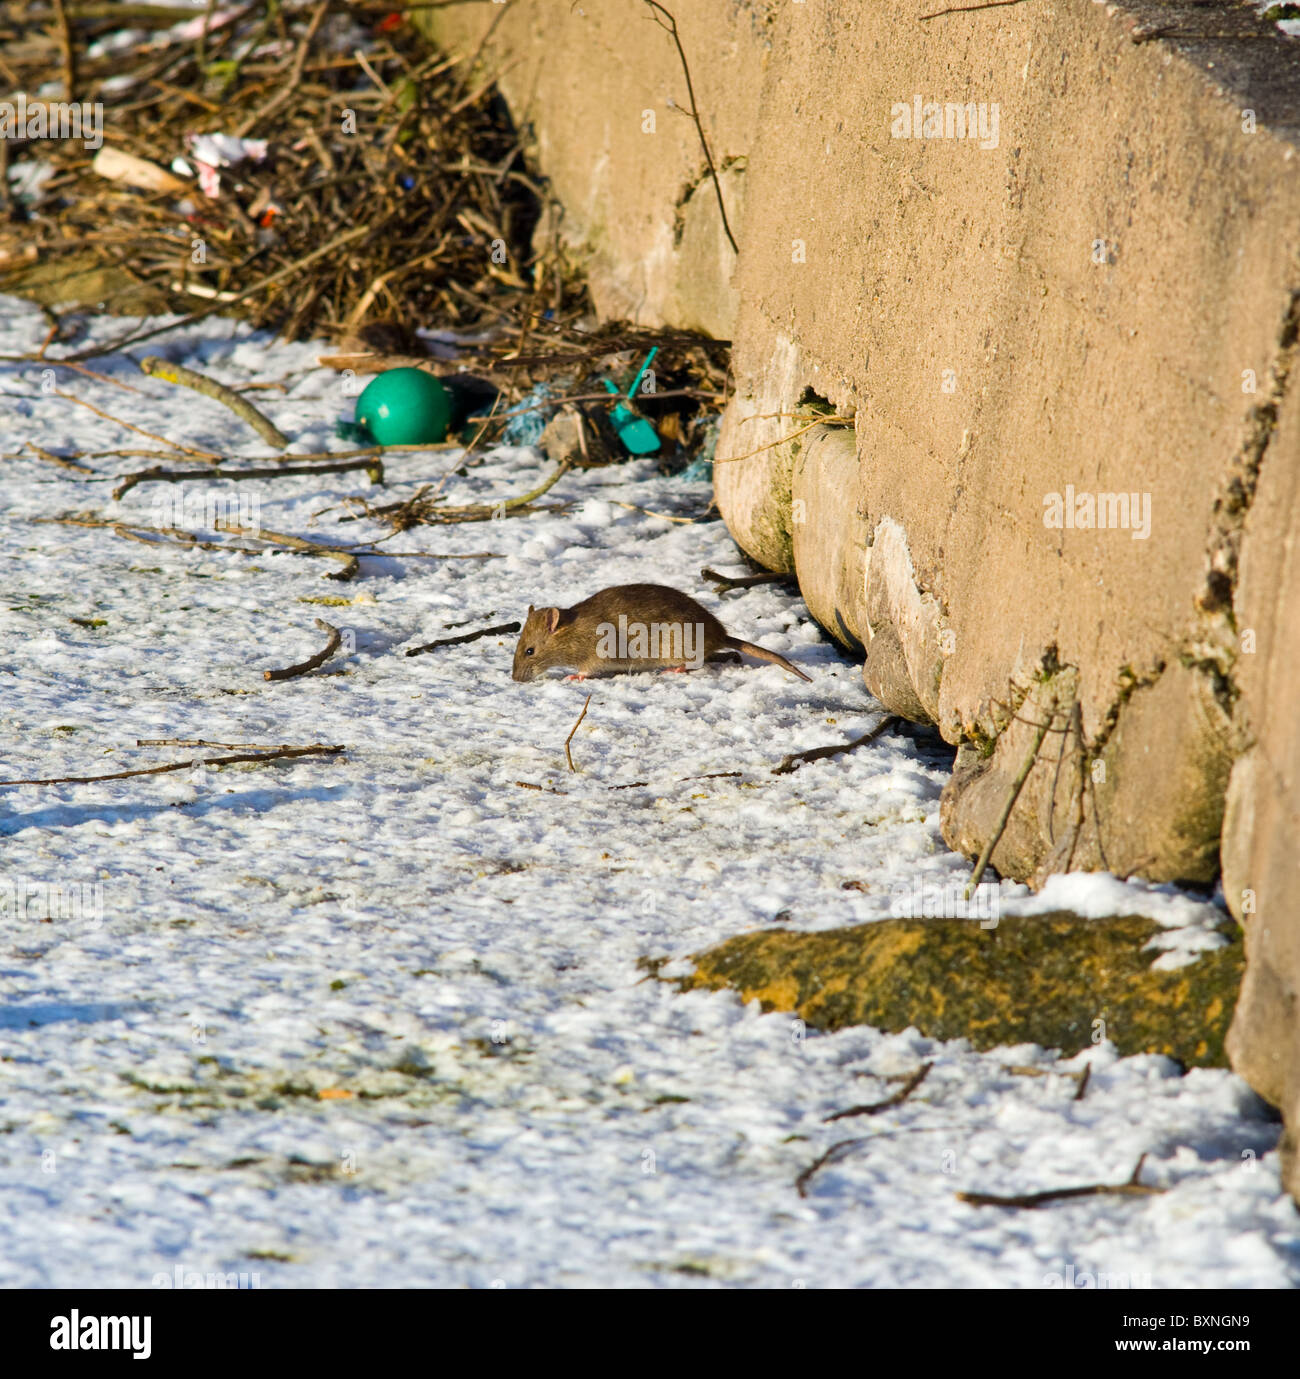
<point>664,18</point>
<point>319,659</point>
<point>281,753</point>
<point>796,759</point>
<point>568,754</point>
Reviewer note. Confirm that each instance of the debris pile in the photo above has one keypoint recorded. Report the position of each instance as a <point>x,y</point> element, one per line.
<point>320,170</point>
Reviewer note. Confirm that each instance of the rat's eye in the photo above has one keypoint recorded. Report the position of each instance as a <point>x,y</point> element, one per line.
<point>528,651</point>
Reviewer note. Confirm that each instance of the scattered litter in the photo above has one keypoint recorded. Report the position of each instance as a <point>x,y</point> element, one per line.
<point>405,407</point>
<point>530,418</point>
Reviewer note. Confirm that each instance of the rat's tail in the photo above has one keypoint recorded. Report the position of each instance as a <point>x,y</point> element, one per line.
<point>764,654</point>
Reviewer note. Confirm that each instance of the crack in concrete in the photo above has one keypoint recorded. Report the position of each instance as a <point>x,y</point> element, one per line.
<point>691,187</point>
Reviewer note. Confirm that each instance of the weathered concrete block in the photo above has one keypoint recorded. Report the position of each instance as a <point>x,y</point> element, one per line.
<point>1261,836</point>
<point>1047,257</point>
<point>828,535</point>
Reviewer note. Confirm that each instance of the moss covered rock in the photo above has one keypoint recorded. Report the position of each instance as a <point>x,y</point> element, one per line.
<point>1043,980</point>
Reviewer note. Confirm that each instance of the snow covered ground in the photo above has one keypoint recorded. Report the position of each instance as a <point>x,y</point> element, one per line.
<point>382,1020</point>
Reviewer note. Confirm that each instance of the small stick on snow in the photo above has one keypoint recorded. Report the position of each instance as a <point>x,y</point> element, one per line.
<point>317,749</point>
<point>840,1149</point>
<point>1027,1070</point>
<point>319,659</point>
<point>650,512</point>
<point>464,637</point>
<point>794,760</point>
<point>84,371</point>
<point>1132,1188</point>
<point>724,584</point>
<point>836,1151</point>
<point>242,408</point>
<point>63,463</point>
<point>568,754</point>
<point>417,511</point>
<point>373,467</point>
<point>139,431</point>
<point>149,536</point>
<point>272,542</point>
<point>206,742</point>
<point>351,566</point>
<point>874,1108</point>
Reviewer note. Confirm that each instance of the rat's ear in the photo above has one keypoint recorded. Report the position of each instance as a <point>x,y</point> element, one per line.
<point>552,619</point>
<point>530,610</point>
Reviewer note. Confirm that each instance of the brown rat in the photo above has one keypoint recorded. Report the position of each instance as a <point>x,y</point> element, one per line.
<point>629,627</point>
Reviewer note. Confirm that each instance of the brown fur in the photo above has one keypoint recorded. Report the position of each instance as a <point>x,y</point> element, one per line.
<point>571,637</point>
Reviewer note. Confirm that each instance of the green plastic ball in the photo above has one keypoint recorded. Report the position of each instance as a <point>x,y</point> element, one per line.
<point>405,407</point>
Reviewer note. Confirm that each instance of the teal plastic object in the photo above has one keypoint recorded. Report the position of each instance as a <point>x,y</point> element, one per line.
<point>405,407</point>
<point>636,433</point>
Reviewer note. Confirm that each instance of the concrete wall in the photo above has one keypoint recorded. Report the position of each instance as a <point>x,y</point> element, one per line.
<point>1097,294</point>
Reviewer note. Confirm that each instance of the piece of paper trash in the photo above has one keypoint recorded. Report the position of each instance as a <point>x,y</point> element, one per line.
<point>27,180</point>
<point>225,150</point>
<point>215,151</point>
<point>192,28</point>
<point>120,166</point>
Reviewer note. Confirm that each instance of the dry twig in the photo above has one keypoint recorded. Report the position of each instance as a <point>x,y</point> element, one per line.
<point>1013,794</point>
<point>373,467</point>
<point>568,754</point>
<point>781,440</point>
<point>319,659</point>
<point>420,511</point>
<point>876,1107</point>
<point>278,754</point>
<point>242,408</point>
<point>63,463</point>
<point>724,584</point>
<point>499,630</point>
<point>794,760</point>
<point>664,18</point>
<point>966,9</point>
<point>139,431</point>
<point>1132,1188</point>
